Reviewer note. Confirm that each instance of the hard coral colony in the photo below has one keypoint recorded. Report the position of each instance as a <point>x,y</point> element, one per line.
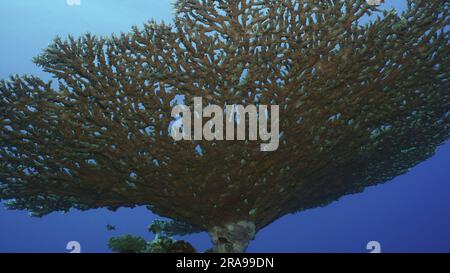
<point>359,105</point>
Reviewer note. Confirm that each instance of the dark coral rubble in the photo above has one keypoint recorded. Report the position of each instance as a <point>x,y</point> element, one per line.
<point>360,104</point>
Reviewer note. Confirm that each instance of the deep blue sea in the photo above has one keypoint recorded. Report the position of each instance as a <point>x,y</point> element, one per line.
<point>409,214</point>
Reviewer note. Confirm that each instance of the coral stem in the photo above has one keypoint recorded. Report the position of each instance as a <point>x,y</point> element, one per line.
<point>232,237</point>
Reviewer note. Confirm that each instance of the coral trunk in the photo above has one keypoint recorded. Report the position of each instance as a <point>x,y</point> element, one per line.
<point>232,237</point>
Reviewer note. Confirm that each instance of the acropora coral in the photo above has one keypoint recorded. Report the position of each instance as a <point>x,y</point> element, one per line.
<point>360,103</point>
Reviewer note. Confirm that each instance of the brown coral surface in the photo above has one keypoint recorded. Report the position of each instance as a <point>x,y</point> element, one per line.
<point>359,105</point>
